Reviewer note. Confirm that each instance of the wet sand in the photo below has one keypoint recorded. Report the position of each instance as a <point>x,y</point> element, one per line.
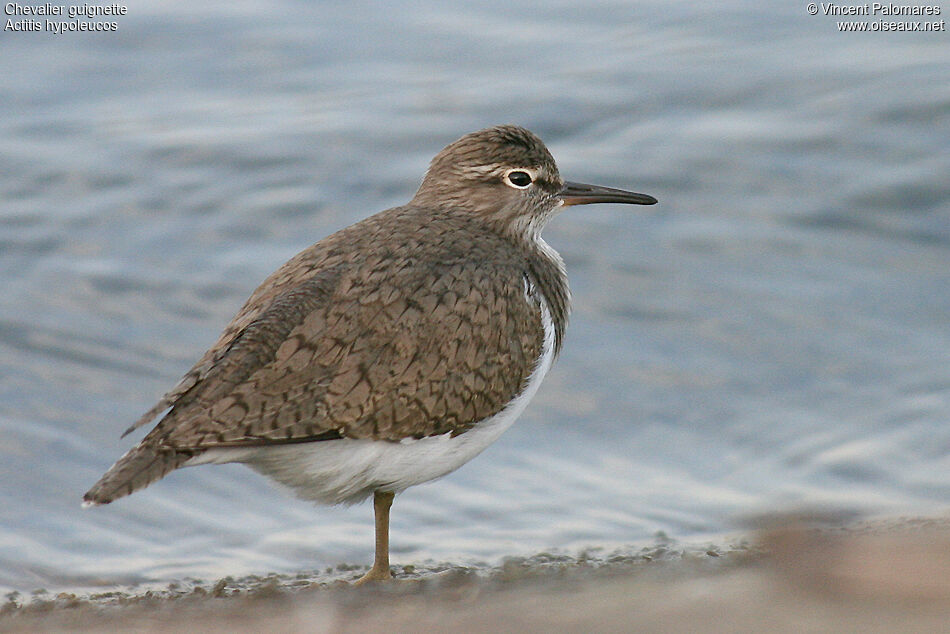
<point>792,574</point>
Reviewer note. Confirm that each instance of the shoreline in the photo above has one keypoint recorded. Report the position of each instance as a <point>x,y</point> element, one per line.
<point>865,575</point>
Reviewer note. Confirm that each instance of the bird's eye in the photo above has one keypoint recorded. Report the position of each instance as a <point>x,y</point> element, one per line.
<point>518,178</point>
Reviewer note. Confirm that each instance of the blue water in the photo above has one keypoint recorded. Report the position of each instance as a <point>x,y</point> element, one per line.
<point>774,334</point>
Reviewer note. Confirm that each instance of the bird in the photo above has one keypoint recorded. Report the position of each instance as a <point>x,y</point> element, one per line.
<point>389,353</point>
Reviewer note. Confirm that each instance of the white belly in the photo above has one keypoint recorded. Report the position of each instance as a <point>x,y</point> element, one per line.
<point>347,471</point>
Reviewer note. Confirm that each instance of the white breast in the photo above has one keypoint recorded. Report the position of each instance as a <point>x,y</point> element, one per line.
<point>347,471</point>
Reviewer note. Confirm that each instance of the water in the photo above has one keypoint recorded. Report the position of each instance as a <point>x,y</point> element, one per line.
<point>775,333</point>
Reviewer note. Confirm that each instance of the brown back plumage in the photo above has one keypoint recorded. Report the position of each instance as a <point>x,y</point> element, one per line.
<point>381,331</point>
<point>412,323</point>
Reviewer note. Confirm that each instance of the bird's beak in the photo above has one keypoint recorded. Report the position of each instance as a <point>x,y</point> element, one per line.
<point>581,194</point>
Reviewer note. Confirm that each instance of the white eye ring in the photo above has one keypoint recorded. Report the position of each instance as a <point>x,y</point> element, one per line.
<point>516,177</point>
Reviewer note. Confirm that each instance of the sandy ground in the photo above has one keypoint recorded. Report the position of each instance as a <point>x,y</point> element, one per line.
<point>793,574</point>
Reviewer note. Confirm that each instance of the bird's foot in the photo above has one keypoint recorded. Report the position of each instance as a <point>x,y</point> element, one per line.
<point>375,574</point>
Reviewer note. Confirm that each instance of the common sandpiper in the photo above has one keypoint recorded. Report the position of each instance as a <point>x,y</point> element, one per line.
<point>391,352</point>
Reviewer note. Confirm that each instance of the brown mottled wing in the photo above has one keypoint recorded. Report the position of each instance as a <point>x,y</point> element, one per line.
<point>294,273</point>
<point>379,331</point>
<point>386,345</point>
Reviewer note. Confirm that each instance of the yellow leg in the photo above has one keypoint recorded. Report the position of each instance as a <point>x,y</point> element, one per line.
<point>382,501</point>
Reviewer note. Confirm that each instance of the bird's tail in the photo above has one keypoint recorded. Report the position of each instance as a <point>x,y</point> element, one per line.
<point>141,466</point>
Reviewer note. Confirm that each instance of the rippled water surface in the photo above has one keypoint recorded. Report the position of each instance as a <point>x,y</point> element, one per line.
<point>775,333</point>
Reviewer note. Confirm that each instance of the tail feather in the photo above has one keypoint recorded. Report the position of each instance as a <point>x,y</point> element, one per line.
<point>141,466</point>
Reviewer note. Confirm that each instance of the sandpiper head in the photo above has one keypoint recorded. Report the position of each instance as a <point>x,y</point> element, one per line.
<point>507,175</point>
